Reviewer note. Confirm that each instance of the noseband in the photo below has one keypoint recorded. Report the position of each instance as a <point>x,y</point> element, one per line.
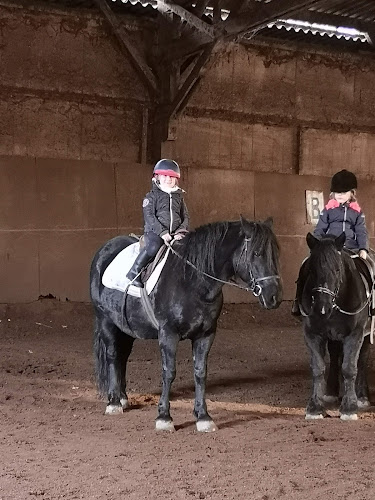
<point>322,289</point>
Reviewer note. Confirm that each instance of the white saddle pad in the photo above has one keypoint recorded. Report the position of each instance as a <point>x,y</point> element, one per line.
<point>115,274</point>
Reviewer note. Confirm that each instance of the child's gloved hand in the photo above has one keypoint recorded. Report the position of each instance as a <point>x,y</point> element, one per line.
<point>363,254</point>
<point>179,236</point>
<point>167,238</point>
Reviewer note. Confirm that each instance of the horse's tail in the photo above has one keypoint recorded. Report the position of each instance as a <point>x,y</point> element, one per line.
<point>100,357</point>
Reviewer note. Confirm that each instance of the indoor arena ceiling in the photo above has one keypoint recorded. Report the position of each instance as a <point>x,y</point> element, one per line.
<point>309,21</point>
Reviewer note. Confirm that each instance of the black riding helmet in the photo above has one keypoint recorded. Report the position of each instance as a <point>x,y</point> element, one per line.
<point>343,181</point>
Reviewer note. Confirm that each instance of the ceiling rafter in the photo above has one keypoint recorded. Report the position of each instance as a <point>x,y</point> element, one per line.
<point>192,20</point>
<point>128,46</point>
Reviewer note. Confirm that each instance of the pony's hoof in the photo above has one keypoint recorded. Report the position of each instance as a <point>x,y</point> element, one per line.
<point>114,410</point>
<point>124,403</point>
<point>363,403</point>
<point>349,416</point>
<point>164,425</point>
<point>317,416</point>
<point>206,426</point>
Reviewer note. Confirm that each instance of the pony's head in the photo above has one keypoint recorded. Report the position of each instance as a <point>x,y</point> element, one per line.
<point>326,273</point>
<point>258,262</point>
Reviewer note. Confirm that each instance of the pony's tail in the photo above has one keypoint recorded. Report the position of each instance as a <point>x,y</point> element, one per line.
<point>100,357</point>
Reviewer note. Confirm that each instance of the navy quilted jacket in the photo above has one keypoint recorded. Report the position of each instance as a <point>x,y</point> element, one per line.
<point>348,217</point>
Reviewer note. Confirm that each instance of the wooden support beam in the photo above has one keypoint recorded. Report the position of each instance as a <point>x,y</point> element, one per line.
<point>259,14</point>
<point>190,80</point>
<point>128,46</point>
<point>192,20</point>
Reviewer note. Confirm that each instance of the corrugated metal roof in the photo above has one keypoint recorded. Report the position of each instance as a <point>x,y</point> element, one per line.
<point>333,13</point>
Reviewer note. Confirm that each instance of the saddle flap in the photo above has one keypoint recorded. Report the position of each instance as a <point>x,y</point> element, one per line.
<point>366,272</point>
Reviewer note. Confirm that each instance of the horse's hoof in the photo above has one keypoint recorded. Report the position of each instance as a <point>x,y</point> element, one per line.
<point>206,426</point>
<point>164,425</point>
<point>349,416</point>
<point>363,403</point>
<point>124,403</point>
<point>317,416</point>
<point>114,410</point>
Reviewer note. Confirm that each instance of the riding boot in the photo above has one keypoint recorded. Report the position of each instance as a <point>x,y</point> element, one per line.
<point>140,262</point>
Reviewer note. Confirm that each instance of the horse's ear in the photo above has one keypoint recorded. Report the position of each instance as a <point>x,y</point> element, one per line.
<point>269,222</point>
<point>339,241</point>
<point>311,240</point>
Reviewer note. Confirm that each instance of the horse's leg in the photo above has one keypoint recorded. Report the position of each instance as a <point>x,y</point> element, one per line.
<point>125,345</point>
<point>317,347</point>
<point>111,353</point>
<point>168,342</point>
<point>361,387</point>
<point>334,372</point>
<point>349,404</point>
<point>201,347</point>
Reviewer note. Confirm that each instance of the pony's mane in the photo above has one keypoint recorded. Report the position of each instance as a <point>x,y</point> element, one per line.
<point>200,244</point>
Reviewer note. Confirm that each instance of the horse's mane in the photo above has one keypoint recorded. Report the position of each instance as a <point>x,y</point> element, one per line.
<point>200,244</point>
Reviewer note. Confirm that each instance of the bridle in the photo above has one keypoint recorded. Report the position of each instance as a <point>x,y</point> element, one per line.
<point>322,289</point>
<point>254,285</point>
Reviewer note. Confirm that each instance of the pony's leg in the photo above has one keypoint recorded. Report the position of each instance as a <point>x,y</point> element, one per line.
<point>317,347</point>
<point>361,385</point>
<point>112,349</point>
<point>334,372</point>
<point>201,347</point>
<point>125,344</point>
<point>168,342</point>
<point>349,403</point>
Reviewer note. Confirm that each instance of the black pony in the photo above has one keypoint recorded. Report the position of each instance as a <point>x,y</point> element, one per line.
<point>335,309</point>
<point>187,301</point>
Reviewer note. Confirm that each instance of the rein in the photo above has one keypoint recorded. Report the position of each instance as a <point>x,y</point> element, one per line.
<point>322,289</point>
<point>254,287</point>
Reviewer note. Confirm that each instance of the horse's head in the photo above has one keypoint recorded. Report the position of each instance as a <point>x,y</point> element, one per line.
<point>258,262</point>
<point>325,274</point>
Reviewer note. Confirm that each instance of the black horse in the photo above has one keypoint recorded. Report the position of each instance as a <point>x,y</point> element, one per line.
<point>335,310</point>
<point>187,301</point>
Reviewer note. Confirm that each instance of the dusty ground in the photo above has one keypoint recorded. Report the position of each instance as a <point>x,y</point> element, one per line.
<point>56,443</point>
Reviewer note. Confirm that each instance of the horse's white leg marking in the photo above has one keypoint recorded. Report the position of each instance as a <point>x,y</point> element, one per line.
<point>124,403</point>
<point>352,416</point>
<point>363,403</point>
<point>308,416</point>
<point>164,425</point>
<point>113,410</point>
<point>206,426</point>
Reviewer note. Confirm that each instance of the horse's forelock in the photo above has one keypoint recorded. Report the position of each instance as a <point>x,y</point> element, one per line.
<point>326,259</point>
<point>263,241</point>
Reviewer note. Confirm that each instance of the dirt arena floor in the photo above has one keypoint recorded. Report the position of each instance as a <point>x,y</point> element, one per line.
<point>56,443</point>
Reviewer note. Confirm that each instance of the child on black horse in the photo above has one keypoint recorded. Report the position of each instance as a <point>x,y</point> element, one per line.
<point>165,215</point>
<point>341,214</point>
